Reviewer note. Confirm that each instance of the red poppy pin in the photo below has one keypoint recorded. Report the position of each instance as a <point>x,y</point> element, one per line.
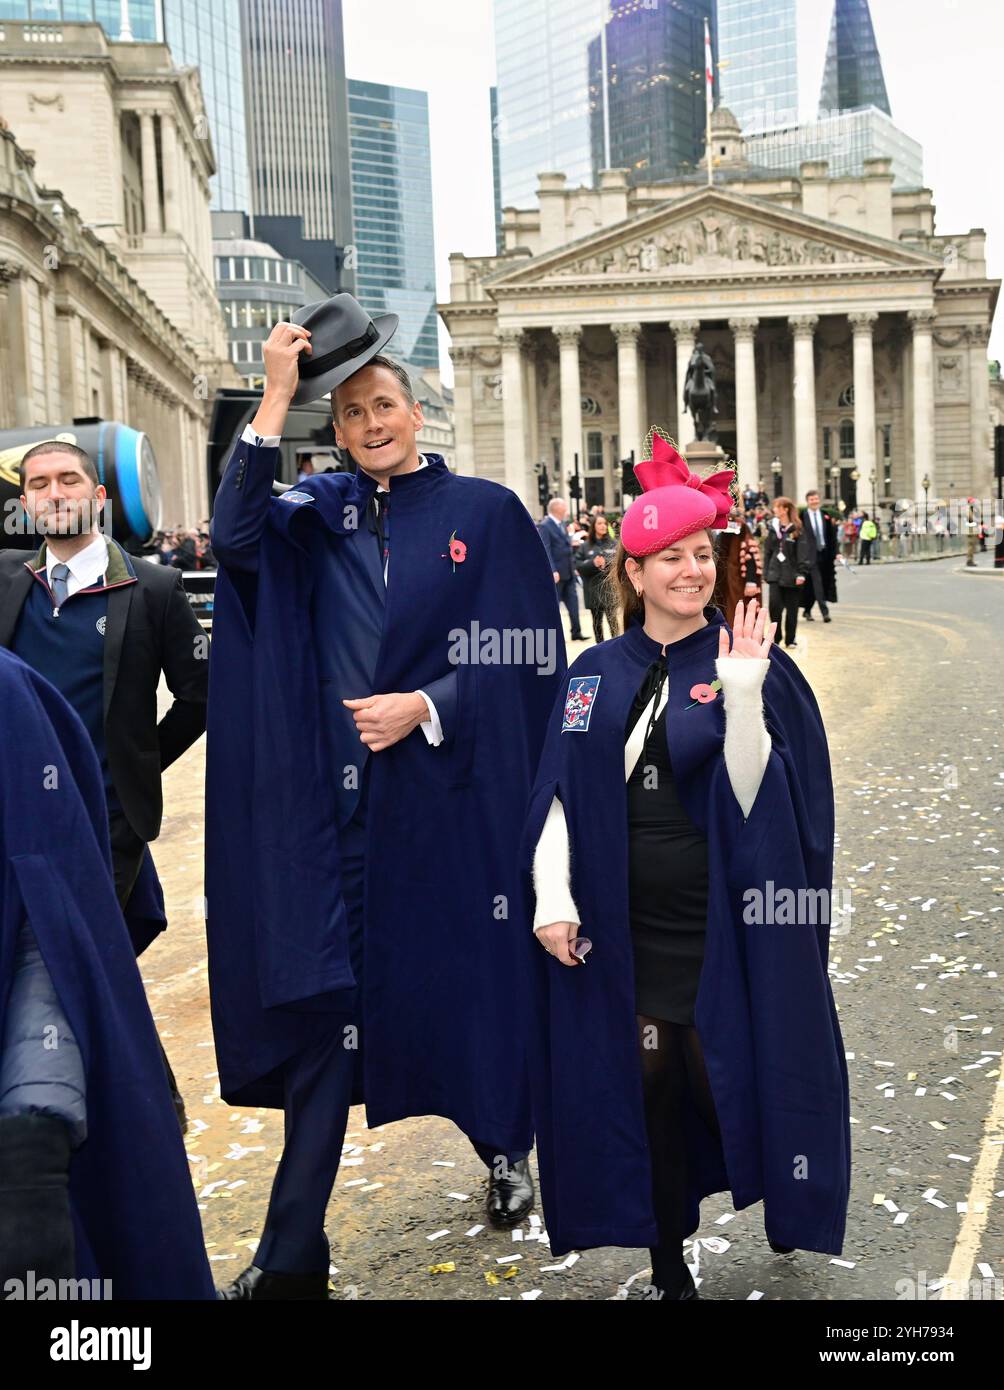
<point>457,552</point>
<point>703,694</point>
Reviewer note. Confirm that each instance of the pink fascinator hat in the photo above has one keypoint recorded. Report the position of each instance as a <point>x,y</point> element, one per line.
<point>674,502</point>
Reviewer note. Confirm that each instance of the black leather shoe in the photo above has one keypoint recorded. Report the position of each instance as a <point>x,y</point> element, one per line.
<point>827,619</point>
<point>808,618</point>
<point>780,1249</point>
<point>262,1285</point>
<point>510,1198</point>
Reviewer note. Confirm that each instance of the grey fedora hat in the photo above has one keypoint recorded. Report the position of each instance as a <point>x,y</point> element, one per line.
<point>343,338</point>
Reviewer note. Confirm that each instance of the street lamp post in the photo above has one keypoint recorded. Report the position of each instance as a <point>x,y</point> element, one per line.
<point>777,468</point>
<point>834,482</point>
<point>925,484</point>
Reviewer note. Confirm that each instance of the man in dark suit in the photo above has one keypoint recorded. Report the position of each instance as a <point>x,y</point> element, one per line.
<point>822,585</point>
<point>559,551</point>
<point>101,628</point>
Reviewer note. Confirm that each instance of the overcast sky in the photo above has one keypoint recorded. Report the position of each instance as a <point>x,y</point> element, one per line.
<point>941,58</point>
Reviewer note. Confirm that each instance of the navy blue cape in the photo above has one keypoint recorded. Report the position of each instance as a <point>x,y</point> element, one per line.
<point>764,1011</point>
<point>440,1017</point>
<point>135,1218</point>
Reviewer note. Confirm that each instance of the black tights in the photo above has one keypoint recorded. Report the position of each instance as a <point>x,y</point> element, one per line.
<point>672,1064</point>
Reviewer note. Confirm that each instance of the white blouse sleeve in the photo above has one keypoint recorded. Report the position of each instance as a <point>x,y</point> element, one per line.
<point>747,742</point>
<point>552,872</point>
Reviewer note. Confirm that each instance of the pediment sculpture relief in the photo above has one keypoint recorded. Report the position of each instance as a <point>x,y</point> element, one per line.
<point>710,240</point>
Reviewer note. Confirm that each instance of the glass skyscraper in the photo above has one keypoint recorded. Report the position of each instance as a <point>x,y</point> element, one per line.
<point>542,63</point>
<point>392,214</point>
<point>137,21</point>
<point>297,114</point>
<point>758,62</point>
<point>845,141</point>
<point>207,34</point>
<point>852,73</point>
<point>655,88</point>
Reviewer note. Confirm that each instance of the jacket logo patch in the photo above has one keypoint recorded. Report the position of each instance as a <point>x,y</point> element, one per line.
<point>100,625</point>
<point>579,703</point>
<point>294,496</point>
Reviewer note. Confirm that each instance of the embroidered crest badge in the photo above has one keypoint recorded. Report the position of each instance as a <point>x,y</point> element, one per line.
<point>579,703</point>
<point>293,496</point>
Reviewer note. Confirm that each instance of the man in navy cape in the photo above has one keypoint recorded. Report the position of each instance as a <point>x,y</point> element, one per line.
<point>764,1013</point>
<point>336,826</point>
<point>119,1207</point>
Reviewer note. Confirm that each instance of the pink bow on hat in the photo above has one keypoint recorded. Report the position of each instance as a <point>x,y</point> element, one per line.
<point>666,468</point>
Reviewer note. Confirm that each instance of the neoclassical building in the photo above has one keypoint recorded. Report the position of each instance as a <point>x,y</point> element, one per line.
<point>849,338</point>
<point>80,337</point>
<point>119,153</point>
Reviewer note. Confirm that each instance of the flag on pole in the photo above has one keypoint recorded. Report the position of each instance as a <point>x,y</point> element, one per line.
<point>709,82</point>
<point>708,68</point>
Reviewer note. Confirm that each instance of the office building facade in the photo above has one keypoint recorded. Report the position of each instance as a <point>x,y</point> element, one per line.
<point>845,141</point>
<point>542,64</point>
<point>297,114</point>
<point>852,72</point>
<point>757,59</point>
<point>647,88</point>
<point>395,264</point>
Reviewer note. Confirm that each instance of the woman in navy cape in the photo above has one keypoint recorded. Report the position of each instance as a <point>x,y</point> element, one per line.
<point>756,1102</point>
<point>135,1221</point>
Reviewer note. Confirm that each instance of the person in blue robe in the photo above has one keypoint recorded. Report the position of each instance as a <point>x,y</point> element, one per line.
<point>382,671</point>
<point>679,858</point>
<point>94,1178</point>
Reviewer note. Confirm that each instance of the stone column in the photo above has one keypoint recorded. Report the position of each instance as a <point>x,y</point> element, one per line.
<point>14,325</point>
<point>747,438</point>
<point>643,421</point>
<point>685,332</point>
<point>513,412</point>
<point>169,155</point>
<point>8,346</point>
<point>463,408</point>
<point>569,335</point>
<point>922,323</point>
<point>151,194</point>
<point>806,472</point>
<point>530,395</point>
<point>865,457</point>
<point>980,449</point>
<point>629,431</point>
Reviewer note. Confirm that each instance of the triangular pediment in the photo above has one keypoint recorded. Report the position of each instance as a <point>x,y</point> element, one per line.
<point>711,231</point>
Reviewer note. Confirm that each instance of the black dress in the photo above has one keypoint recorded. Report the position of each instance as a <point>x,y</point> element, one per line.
<point>668,876</point>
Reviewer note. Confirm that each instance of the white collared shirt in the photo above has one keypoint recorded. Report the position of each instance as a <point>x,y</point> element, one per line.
<point>86,568</point>
<point>431,727</point>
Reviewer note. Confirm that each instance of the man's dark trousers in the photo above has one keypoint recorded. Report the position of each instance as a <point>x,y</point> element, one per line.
<point>568,595</point>
<point>318,1093</point>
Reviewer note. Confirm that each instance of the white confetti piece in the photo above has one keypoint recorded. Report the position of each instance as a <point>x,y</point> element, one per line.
<point>437,1235</point>
<point>459,1196</point>
<point>530,1295</point>
<point>474,1231</point>
<point>752,1297</point>
<point>442,1163</point>
<point>844,1264</point>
